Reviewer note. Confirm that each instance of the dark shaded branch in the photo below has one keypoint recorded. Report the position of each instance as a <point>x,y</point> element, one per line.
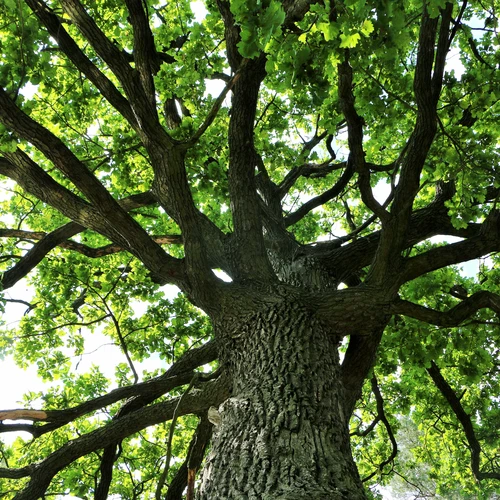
<point>145,57</point>
<point>442,48</point>
<point>36,254</point>
<point>453,317</point>
<point>231,34</point>
<point>424,223</point>
<point>465,421</point>
<point>43,472</point>
<point>59,237</point>
<point>313,142</point>
<point>195,455</point>
<point>106,472</point>
<point>457,23</point>
<point>66,162</point>
<point>246,211</point>
<point>168,456</point>
<point>477,54</point>
<point>81,61</point>
<point>140,400</point>
<point>119,227</point>
<point>485,240</point>
<point>427,87</point>
<point>17,473</point>
<point>328,195</point>
<point>149,130</point>
<point>138,395</point>
<point>92,252</point>
<point>356,159</point>
<point>308,170</point>
<point>382,418</point>
<point>358,361</point>
<point>369,429</point>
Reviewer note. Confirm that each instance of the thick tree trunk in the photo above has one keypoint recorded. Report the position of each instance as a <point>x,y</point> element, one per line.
<point>283,434</point>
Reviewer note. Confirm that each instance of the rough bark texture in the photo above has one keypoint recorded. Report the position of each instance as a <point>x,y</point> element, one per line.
<point>283,433</point>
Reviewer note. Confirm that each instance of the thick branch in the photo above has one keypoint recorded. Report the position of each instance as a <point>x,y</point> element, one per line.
<point>358,361</point>
<point>119,227</point>
<point>59,237</point>
<point>81,61</point>
<point>64,160</point>
<point>149,129</point>
<point>138,395</point>
<point>424,223</point>
<point>145,57</point>
<point>214,393</point>
<point>249,241</point>
<point>453,317</point>
<point>465,421</point>
<point>356,159</point>
<point>485,241</point>
<point>427,87</point>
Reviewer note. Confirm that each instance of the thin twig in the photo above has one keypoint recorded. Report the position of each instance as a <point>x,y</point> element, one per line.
<point>163,476</point>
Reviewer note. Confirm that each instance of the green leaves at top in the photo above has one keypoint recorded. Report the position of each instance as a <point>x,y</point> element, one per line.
<point>258,21</point>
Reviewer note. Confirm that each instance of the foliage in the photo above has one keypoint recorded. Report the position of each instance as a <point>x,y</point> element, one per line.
<point>97,283</point>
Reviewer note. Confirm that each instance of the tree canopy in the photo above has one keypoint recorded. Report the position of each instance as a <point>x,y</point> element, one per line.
<point>343,153</point>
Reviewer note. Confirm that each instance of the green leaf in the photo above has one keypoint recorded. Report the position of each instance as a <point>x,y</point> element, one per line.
<point>349,41</point>
<point>367,27</point>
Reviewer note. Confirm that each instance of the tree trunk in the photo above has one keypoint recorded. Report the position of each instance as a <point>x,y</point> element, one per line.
<point>283,433</point>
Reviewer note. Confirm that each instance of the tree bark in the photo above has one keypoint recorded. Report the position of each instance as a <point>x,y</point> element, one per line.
<point>283,434</point>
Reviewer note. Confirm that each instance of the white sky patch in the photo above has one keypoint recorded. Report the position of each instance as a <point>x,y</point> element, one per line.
<point>29,90</point>
<point>222,275</point>
<point>199,11</point>
<point>214,88</point>
<point>382,191</point>
<point>453,63</point>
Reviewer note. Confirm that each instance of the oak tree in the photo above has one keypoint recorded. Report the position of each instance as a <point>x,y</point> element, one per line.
<point>310,175</point>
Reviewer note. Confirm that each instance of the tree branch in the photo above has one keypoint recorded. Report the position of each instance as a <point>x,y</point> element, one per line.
<point>484,241</point>
<point>308,170</point>
<point>59,237</point>
<point>382,418</point>
<point>356,159</point>
<point>138,395</point>
<point>125,232</point>
<point>216,107</point>
<point>328,195</point>
<point>247,218</point>
<point>427,87</point>
<point>465,422</point>
<point>43,472</point>
<point>81,61</point>
<point>453,317</point>
<point>187,471</point>
<point>149,128</point>
<point>358,361</point>
<point>321,170</point>
<point>168,456</point>
<point>343,261</point>
<point>145,57</point>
